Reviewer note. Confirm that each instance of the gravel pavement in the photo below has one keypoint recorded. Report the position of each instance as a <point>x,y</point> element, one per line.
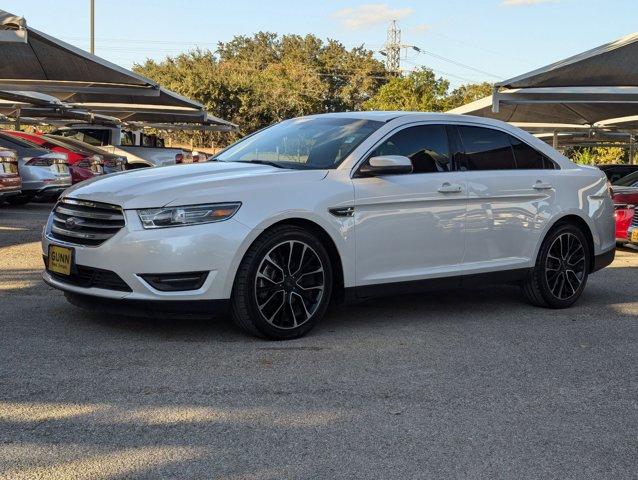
<point>457,384</point>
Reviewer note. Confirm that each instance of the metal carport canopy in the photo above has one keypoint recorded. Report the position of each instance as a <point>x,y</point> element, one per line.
<point>36,62</point>
<point>559,106</point>
<point>612,64</point>
<point>42,63</point>
<point>584,89</point>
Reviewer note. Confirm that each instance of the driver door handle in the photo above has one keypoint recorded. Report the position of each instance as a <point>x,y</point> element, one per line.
<point>450,188</point>
<point>542,186</point>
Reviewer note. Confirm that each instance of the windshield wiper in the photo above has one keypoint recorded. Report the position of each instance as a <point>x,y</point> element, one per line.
<point>263,162</point>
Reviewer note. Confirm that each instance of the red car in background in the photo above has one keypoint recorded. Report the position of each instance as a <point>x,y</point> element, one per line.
<point>623,214</point>
<point>624,192</point>
<point>81,165</point>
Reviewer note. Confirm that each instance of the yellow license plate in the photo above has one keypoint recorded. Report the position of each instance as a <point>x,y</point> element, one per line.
<point>634,236</point>
<point>60,260</point>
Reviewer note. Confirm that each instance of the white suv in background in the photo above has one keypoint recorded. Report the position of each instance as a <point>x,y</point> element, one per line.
<point>334,206</point>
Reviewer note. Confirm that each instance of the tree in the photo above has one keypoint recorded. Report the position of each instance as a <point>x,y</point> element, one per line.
<point>468,93</point>
<point>598,155</point>
<point>256,81</point>
<point>420,90</point>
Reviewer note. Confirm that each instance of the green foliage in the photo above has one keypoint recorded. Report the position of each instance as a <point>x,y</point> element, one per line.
<point>259,80</point>
<point>598,155</point>
<point>418,91</point>
<point>468,93</point>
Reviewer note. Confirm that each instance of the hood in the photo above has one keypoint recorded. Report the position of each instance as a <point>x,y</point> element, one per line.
<point>180,184</point>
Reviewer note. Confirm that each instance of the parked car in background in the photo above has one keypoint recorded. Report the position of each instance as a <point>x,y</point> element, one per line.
<point>328,206</point>
<point>111,163</point>
<point>199,157</point>
<point>623,214</point>
<point>628,181</point>
<point>44,174</point>
<point>81,165</point>
<point>625,199</point>
<point>10,183</point>
<point>632,231</point>
<point>617,171</point>
<point>141,149</point>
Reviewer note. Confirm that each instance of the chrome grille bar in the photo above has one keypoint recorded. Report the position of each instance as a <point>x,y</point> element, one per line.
<point>75,234</point>
<point>85,223</point>
<point>88,214</point>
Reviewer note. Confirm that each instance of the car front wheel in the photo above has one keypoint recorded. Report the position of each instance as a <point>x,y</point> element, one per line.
<point>283,284</point>
<point>562,267</point>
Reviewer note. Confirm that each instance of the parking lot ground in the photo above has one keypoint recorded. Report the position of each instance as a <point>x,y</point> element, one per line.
<point>458,384</point>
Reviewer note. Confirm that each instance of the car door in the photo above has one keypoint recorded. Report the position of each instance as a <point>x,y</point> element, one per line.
<point>510,196</point>
<point>410,226</point>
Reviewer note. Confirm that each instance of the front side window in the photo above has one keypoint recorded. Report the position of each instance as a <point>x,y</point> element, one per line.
<point>425,145</point>
<point>310,143</point>
<point>486,149</point>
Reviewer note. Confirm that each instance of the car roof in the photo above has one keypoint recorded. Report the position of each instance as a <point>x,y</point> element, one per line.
<point>386,116</point>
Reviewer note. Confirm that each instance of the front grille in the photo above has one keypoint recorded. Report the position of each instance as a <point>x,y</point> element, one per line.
<point>85,223</point>
<point>90,277</point>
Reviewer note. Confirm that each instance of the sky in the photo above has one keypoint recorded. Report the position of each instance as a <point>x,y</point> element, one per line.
<point>464,41</point>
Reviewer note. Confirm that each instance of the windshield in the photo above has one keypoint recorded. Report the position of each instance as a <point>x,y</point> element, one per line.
<point>72,144</point>
<point>313,143</point>
<point>630,180</point>
<point>20,141</point>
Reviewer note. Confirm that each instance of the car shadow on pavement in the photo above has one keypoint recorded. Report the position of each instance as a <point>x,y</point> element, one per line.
<point>153,398</point>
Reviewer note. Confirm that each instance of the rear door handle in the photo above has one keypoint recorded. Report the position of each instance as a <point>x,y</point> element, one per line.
<point>542,186</point>
<point>450,188</point>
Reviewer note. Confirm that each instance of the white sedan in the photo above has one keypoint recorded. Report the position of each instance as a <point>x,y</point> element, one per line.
<point>333,207</point>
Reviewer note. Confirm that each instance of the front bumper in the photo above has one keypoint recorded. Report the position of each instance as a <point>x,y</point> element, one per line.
<point>133,252</point>
<point>168,309</point>
<point>604,259</point>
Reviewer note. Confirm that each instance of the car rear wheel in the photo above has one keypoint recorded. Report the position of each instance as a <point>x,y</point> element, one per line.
<point>283,285</point>
<point>562,267</point>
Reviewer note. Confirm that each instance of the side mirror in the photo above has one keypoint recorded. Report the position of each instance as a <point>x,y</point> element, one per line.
<point>386,165</point>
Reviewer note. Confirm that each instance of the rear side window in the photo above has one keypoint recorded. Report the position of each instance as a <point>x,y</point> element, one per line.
<point>486,149</point>
<point>425,145</point>
<point>528,157</point>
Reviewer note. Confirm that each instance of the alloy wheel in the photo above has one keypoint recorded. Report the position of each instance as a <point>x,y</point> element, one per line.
<point>565,266</point>
<point>289,284</point>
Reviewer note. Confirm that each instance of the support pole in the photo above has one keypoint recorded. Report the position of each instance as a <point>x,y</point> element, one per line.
<point>631,149</point>
<point>92,50</point>
<point>16,125</point>
<point>555,140</point>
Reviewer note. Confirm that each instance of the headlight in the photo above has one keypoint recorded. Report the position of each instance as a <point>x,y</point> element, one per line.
<point>187,215</point>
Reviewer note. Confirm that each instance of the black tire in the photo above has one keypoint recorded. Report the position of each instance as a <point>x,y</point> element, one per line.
<point>19,199</point>
<point>552,281</point>
<point>254,298</point>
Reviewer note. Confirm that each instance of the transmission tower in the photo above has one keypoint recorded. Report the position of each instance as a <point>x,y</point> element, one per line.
<point>392,48</point>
